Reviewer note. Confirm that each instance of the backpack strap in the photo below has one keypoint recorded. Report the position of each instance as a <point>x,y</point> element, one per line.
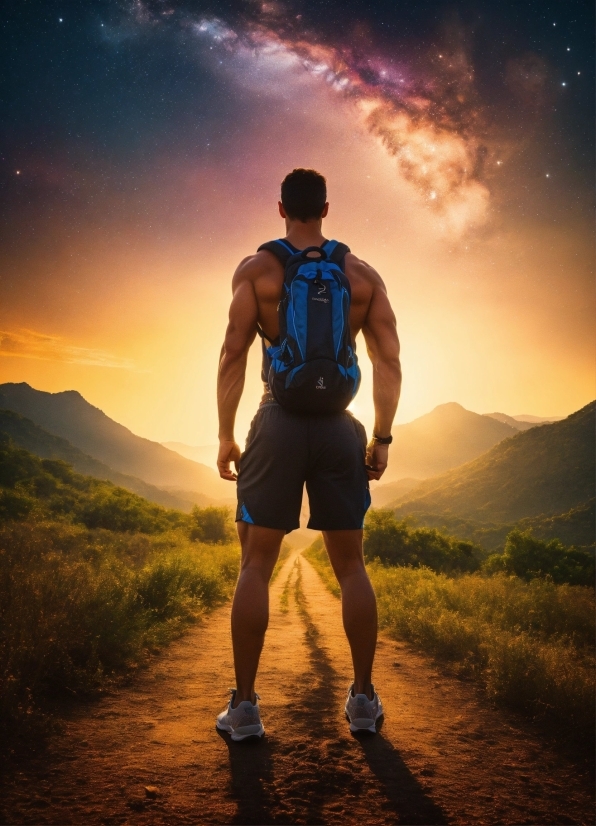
<point>336,252</point>
<point>280,249</point>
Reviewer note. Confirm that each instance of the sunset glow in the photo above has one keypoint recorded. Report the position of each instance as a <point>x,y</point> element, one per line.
<point>118,255</point>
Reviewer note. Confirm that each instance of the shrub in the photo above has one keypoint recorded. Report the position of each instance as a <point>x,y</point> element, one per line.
<point>393,542</point>
<point>528,558</point>
<point>213,525</point>
<point>78,608</point>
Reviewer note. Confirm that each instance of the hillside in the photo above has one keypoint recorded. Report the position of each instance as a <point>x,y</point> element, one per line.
<point>29,436</point>
<point>69,416</point>
<point>514,423</point>
<point>204,454</point>
<point>52,489</point>
<point>445,438</point>
<point>383,495</point>
<point>543,472</point>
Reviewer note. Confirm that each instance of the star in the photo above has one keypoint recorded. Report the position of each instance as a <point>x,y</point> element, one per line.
<point>60,20</point>
<point>563,84</point>
<point>18,172</point>
<point>548,174</point>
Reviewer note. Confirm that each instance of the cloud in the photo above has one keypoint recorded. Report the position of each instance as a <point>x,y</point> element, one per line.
<point>31,345</point>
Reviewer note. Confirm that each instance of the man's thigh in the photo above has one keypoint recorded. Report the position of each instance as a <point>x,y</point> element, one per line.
<point>337,482</point>
<point>260,547</point>
<point>272,470</point>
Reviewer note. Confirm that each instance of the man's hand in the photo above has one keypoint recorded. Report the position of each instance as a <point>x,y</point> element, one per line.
<point>229,452</point>
<point>376,459</point>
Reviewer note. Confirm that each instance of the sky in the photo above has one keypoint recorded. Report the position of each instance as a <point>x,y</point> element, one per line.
<point>142,149</point>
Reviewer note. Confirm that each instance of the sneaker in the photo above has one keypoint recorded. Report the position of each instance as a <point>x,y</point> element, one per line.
<point>241,722</point>
<point>363,713</point>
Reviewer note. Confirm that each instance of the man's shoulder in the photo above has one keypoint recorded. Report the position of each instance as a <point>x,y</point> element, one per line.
<point>358,268</point>
<point>255,266</point>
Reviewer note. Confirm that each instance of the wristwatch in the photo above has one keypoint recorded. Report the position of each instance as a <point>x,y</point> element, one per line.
<point>382,440</point>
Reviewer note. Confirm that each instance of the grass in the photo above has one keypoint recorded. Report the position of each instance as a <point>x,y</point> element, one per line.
<point>530,644</point>
<point>81,608</point>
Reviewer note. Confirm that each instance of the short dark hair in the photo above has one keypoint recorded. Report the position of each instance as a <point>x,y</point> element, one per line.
<point>303,194</point>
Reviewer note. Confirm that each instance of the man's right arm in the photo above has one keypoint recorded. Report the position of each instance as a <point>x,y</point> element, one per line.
<point>240,334</point>
<point>382,344</point>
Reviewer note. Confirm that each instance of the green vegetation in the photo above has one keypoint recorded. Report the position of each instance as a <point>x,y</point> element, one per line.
<point>50,488</point>
<point>527,638</point>
<point>531,558</point>
<point>25,434</point>
<point>80,607</point>
<point>213,524</point>
<point>394,543</point>
<point>530,643</point>
<point>543,473</point>
<point>92,579</point>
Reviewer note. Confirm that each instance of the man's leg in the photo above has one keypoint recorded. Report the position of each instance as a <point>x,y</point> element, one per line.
<point>358,603</point>
<point>250,608</point>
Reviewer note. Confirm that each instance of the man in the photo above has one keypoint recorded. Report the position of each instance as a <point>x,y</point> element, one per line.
<point>284,450</point>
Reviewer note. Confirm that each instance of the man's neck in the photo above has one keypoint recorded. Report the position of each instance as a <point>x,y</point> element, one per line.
<point>304,234</point>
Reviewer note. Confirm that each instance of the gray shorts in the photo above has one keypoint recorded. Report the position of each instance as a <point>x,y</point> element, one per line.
<point>286,450</point>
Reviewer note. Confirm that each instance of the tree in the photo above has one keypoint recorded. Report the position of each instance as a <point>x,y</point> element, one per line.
<point>212,525</point>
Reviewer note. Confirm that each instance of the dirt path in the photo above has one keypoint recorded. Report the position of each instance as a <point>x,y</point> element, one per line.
<point>441,755</point>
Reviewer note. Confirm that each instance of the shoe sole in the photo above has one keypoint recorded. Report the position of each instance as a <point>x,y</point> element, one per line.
<point>355,728</point>
<point>244,733</point>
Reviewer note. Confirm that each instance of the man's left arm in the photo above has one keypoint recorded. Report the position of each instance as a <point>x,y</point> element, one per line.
<point>240,334</point>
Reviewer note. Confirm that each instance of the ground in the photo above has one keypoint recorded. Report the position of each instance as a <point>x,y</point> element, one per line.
<point>150,753</point>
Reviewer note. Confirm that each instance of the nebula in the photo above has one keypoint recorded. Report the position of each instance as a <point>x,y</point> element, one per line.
<point>427,117</point>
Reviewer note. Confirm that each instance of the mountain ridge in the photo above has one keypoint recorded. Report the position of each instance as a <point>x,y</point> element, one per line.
<point>68,415</point>
<point>446,437</point>
<point>543,472</point>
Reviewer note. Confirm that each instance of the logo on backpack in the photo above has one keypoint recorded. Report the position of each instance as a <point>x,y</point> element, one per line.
<point>315,350</point>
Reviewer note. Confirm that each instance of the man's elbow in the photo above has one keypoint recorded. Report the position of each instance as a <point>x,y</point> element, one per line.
<point>232,354</point>
<point>389,370</point>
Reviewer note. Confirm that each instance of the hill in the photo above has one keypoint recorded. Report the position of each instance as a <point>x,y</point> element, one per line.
<point>52,489</point>
<point>547,471</point>
<point>71,417</point>
<point>445,438</point>
<point>383,495</point>
<point>514,423</point>
<point>25,434</point>
<point>204,454</point>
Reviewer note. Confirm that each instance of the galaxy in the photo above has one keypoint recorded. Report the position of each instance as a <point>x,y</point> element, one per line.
<point>142,149</point>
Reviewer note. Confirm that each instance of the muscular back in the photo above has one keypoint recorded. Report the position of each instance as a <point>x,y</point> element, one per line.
<point>258,281</point>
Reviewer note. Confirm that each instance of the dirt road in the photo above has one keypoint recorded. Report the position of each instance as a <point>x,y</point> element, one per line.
<point>442,756</point>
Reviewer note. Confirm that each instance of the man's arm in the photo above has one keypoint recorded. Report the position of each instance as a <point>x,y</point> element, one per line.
<point>382,344</point>
<point>240,334</point>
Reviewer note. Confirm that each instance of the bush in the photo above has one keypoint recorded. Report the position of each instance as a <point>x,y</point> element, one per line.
<point>529,558</point>
<point>212,525</point>
<point>79,608</point>
<point>531,644</point>
<point>393,542</point>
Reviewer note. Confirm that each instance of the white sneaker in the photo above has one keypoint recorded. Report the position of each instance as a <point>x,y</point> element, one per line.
<point>362,712</point>
<point>243,721</point>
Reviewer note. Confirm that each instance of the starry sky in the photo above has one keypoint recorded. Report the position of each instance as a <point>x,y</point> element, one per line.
<point>142,149</point>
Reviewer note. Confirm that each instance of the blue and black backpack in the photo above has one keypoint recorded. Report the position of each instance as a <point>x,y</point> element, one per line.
<point>312,367</point>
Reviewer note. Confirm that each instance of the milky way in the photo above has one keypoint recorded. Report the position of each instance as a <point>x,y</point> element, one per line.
<point>427,116</point>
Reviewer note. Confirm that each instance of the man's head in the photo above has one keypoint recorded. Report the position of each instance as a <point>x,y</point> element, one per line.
<point>303,196</point>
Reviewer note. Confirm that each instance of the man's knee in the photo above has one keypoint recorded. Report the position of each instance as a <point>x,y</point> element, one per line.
<point>260,548</point>
<point>345,552</point>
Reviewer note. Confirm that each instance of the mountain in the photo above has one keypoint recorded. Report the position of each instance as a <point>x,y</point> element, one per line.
<point>383,495</point>
<point>446,437</point>
<point>547,471</point>
<point>515,423</point>
<point>525,417</point>
<point>204,454</point>
<point>27,435</point>
<point>69,416</point>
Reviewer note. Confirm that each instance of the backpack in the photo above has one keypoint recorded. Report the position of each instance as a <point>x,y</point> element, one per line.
<point>312,367</point>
